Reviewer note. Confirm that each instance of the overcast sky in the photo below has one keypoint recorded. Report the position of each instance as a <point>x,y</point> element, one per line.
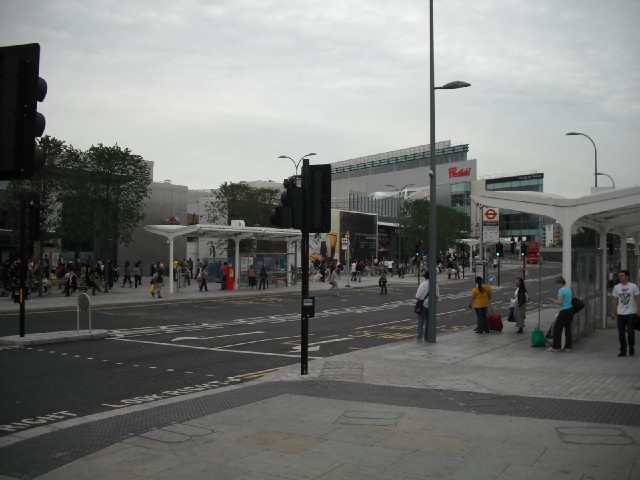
<point>216,90</point>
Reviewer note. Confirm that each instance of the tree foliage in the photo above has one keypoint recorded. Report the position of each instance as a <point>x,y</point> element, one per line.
<point>240,201</point>
<point>413,218</point>
<point>95,196</point>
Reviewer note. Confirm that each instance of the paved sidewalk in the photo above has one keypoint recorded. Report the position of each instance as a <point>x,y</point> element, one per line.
<point>467,407</point>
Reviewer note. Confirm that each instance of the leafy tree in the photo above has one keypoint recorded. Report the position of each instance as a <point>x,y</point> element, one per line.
<point>240,201</point>
<point>414,224</point>
<point>43,189</point>
<point>86,196</point>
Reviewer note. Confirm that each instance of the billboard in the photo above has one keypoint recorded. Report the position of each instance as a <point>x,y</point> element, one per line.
<point>361,230</point>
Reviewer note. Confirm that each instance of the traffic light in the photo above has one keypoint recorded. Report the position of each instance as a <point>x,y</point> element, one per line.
<point>499,250</point>
<point>523,249</point>
<point>21,89</point>
<point>33,221</point>
<point>318,197</point>
<point>513,247</point>
<point>289,215</point>
<point>417,250</point>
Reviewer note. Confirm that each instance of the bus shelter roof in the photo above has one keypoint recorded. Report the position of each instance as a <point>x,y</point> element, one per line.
<point>230,232</point>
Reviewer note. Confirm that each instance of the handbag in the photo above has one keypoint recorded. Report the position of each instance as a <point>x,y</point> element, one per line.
<point>537,338</point>
<point>576,303</point>
<point>549,334</point>
<point>419,308</point>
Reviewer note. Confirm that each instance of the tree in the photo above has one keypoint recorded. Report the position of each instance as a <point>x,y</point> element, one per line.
<point>240,201</point>
<point>414,224</point>
<point>87,196</point>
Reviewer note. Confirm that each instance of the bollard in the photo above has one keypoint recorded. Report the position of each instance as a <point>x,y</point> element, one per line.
<point>84,305</point>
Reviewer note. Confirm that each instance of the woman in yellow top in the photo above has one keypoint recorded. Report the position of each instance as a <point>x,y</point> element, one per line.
<point>480,299</point>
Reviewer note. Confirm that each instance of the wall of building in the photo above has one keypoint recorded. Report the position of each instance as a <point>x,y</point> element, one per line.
<point>167,200</point>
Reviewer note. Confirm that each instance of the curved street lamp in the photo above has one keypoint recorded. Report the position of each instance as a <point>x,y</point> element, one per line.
<point>595,174</point>
<point>297,164</point>
<point>607,175</point>
<point>432,265</point>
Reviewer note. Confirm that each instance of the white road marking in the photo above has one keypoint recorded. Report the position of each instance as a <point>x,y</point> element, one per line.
<point>178,339</point>
<point>211,349</point>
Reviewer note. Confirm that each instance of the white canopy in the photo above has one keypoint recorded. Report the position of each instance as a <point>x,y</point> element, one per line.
<point>228,232</point>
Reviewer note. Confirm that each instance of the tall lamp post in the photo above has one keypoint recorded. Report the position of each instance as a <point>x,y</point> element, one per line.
<point>400,190</point>
<point>297,164</point>
<point>432,265</point>
<point>595,172</point>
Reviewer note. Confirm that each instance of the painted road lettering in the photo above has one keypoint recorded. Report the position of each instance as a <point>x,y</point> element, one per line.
<point>32,422</point>
<point>169,393</point>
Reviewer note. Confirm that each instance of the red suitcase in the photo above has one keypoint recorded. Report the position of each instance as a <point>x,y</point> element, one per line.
<point>495,322</point>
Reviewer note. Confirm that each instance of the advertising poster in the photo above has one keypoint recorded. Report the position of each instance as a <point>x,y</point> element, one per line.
<point>360,228</point>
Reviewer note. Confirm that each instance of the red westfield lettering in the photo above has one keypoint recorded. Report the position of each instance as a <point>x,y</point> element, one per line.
<point>459,172</point>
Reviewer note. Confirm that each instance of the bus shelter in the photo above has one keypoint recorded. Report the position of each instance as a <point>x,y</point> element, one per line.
<point>614,211</point>
<point>222,232</point>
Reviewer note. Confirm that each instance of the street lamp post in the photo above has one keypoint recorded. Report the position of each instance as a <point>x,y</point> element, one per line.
<point>297,164</point>
<point>607,175</point>
<point>595,172</point>
<point>432,265</point>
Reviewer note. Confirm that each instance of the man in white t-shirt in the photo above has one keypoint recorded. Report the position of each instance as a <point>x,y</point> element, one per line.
<point>422,294</point>
<point>624,309</point>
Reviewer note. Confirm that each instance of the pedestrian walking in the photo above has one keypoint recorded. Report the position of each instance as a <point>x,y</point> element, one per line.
<point>382,281</point>
<point>251,276</point>
<point>423,294</point>
<point>159,279</point>
<point>625,307</point>
<point>333,280</point>
<point>521,296</point>
<point>480,300</point>
<point>126,274</point>
<point>564,318</point>
<point>201,278</point>
<point>263,279</point>
<point>137,275</point>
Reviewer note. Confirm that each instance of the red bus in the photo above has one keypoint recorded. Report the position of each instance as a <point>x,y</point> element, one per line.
<point>533,252</point>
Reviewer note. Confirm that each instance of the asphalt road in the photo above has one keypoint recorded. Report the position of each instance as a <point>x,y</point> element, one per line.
<point>166,350</point>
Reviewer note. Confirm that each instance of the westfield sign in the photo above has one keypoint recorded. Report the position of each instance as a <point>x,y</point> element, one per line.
<point>459,172</point>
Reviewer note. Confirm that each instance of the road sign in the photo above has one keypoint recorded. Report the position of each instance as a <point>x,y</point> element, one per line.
<point>491,215</point>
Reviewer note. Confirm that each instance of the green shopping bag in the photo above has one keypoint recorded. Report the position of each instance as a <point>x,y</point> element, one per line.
<point>537,338</point>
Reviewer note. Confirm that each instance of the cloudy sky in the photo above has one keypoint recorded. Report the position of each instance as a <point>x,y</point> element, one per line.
<point>216,90</point>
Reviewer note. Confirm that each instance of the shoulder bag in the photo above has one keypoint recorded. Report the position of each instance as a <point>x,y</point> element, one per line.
<point>419,308</point>
<point>576,303</point>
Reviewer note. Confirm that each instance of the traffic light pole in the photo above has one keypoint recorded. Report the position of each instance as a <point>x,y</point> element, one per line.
<point>304,316</point>
<point>22,288</point>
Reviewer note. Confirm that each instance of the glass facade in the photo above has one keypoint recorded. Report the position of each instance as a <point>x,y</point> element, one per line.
<point>518,224</point>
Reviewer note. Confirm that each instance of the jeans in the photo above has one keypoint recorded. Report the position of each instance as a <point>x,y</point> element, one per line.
<point>625,325</point>
<point>422,324</point>
<point>483,321</point>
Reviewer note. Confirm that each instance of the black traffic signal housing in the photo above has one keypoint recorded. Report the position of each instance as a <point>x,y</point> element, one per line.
<point>499,249</point>
<point>289,214</point>
<point>523,249</point>
<point>21,89</point>
<point>317,179</point>
<point>417,250</point>
<point>513,247</point>
<point>33,221</point>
